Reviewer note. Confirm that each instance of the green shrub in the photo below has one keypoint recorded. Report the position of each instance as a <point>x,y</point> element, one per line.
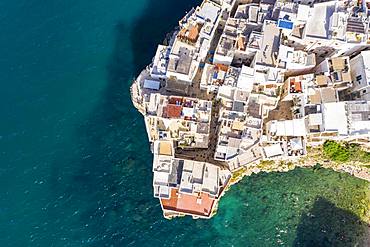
<point>336,151</point>
<point>265,164</point>
<point>345,152</point>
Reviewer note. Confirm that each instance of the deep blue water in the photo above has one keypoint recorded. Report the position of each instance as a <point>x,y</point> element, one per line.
<point>75,165</point>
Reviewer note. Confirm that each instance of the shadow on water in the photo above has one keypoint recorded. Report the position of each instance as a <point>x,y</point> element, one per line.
<point>111,178</point>
<point>150,29</point>
<point>107,186</point>
<point>327,225</point>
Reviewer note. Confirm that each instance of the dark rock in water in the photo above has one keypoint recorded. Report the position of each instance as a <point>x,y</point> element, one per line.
<point>331,226</point>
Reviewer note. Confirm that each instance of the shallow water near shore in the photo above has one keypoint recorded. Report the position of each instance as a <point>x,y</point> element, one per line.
<point>75,164</point>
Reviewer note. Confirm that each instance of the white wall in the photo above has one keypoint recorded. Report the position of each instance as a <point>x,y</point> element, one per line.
<point>358,69</point>
<point>222,59</point>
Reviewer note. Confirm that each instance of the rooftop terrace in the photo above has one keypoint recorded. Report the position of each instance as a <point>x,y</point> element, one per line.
<point>201,204</point>
<point>270,44</point>
<point>319,20</point>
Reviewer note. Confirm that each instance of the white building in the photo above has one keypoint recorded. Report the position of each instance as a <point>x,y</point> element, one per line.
<point>360,73</point>
<point>160,63</point>
<point>295,60</point>
<point>342,120</point>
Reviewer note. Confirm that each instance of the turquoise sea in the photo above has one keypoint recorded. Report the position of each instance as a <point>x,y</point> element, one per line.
<point>75,164</point>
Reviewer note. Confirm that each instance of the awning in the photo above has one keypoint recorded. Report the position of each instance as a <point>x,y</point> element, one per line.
<point>151,84</point>
<point>273,150</point>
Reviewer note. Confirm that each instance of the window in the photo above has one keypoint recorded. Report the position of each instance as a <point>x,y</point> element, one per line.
<point>358,78</point>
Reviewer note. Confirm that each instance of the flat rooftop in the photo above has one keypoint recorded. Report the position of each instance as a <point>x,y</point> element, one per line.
<point>165,148</point>
<point>270,45</point>
<point>225,46</point>
<point>160,60</point>
<point>335,117</point>
<point>200,204</point>
<point>182,63</point>
<point>208,10</point>
<point>319,21</point>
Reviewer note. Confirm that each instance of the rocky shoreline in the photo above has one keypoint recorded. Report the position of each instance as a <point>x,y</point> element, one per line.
<point>313,159</point>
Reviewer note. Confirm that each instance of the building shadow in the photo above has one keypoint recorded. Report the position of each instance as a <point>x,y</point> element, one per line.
<point>108,181</point>
<point>327,225</point>
<point>159,18</point>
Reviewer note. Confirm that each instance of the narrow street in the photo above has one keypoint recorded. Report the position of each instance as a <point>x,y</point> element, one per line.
<point>205,155</point>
